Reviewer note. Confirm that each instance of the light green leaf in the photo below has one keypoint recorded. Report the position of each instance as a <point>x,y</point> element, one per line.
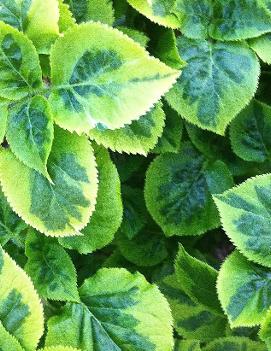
<point>60,208</point>
<point>50,268</point>
<point>3,119</point>
<point>262,47</point>
<point>119,311</point>
<point>250,132</point>
<point>37,18</point>
<point>21,313</point>
<point>187,345</point>
<point>7,341</point>
<point>265,330</point>
<point>107,216</point>
<point>235,343</point>
<point>235,20</point>
<point>19,64</point>
<point>100,10</point>
<point>66,19</point>
<point>244,291</point>
<point>139,137</point>
<point>217,83</point>
<point>245,212</point>
<point>30,133</point>
<point>177,193</point>
<point>59,348</point>
<point>158,11</point>
<point>136,35</point>
<point>96,83</point>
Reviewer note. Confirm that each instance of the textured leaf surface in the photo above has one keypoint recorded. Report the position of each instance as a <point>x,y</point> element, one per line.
<point>119,311</point>
<point>98,80</point>
<point>265,330</point>
<point>3,120</point>
<point>50,268</point>
<point>262,47</point>
<point>66,19</point>
<point>218,81</point>
<point>21,313</point>
<point>107,217</point>
<point>235,344</point>
<point>187,345</point>
<point>100,10</point>
<point>139,137</point>
<point>30,133</point>
<point>19,64</point>
<point>245,215</point>
<point>7,341</point>
<point>177,194</point>
<point>59,348</point>
<point>250,132</point>
<point>64,206</point>
<point>244,291</point>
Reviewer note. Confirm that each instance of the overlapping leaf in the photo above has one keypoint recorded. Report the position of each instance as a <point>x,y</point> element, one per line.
<point>262,47</point>
<point>235,344</point>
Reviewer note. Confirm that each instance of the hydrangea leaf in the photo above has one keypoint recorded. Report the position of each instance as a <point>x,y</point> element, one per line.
<point>265,330</point>
<point>262,47</point>
<point>235,343</point>
<point>245,215</point>
<point>235,21</point>
<point>187,345</point>
<point>244,291</point>
<point>21,313</point>
<point>50,268</point>
<point>60,208</point>
<point>37,18</point>
<point>217,83</point>
<point>3,119</point>
<point>177,194</point>
<point>59,348</point>
<point>19,64</point>
<point>83,96</point>
<point>158,11</point>
<point>119,311</point>
<point>7,341</point>
<point>107,216</point>
<point>66,19</point>
<point>30,133</point>
<point>136,35</point>
<point>139,137</point>
<point>250,132</point>
<point>191,319</point>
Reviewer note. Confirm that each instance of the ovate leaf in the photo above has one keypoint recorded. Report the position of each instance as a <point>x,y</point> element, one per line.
<point>50,268</point>
<point>235,343</point>
<point>244,291</point>
<point>21,313</point>
<point>30,133</point>
<point>61,207</point>
<point>66,19</point>
<point>107,216</point>
<point>262,47</point>
<point>119,311</point>
<point>218,81</point>
<point>19,64</point>
<point>246,216</point>
<point>250,132</point>
<point>139,137</point>
<point>96,83</point>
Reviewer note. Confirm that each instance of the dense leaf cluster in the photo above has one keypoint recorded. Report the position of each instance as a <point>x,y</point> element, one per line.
<point>135,172</point>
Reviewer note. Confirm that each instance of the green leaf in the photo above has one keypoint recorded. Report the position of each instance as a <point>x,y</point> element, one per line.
<point>7,341</point>
<point>177,194</point>
<point>187,345</point>
<point>246,216</point>
<point>265,330</point>
<point>21,313</point>
<point>235,343</point>
<point>59,348</point>
<point>262,47</point>
<point>244,291</point>
<point>158,11</point>
<point>30,133</point>
<point>139,137</point>
<point>60,208</point>
<point>217,83</point>
<point>3,120</point>
<point>50,268</point>
<point>250,132</point>
<point>99,10</point>
<point>119,311</point>
<point>96,83</point>
<point>66,19</point>
<point>235,20</point>
<point>19,64</point>
<point>136,35</point>
<point>107,216</point>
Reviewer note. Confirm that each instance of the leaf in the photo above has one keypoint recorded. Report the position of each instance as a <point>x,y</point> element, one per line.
<point>119,311</point>
<point>234,343</point>
<point>139,137</point>
<point>19,64</point>
<point>83,96</point>
<point>66,19</point>
<point>3,120</point>
<point>177,194</point>
<point>262,47</point>
<point>30,133</point>
<point>187,345</point>
<point>21,313</point>
<point>100,10</point>
<point>107,216</point>
<point>265,330</point>
<point>60,208</point>
<point>235,21</point>
<point>250,132</point>
<point>245,216</point>
<point>136,35</point>
<point>59,348</point>
<point>7,341</point>
<point>158,11</point>
<point>50,268</point>
<point>217,83</point>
